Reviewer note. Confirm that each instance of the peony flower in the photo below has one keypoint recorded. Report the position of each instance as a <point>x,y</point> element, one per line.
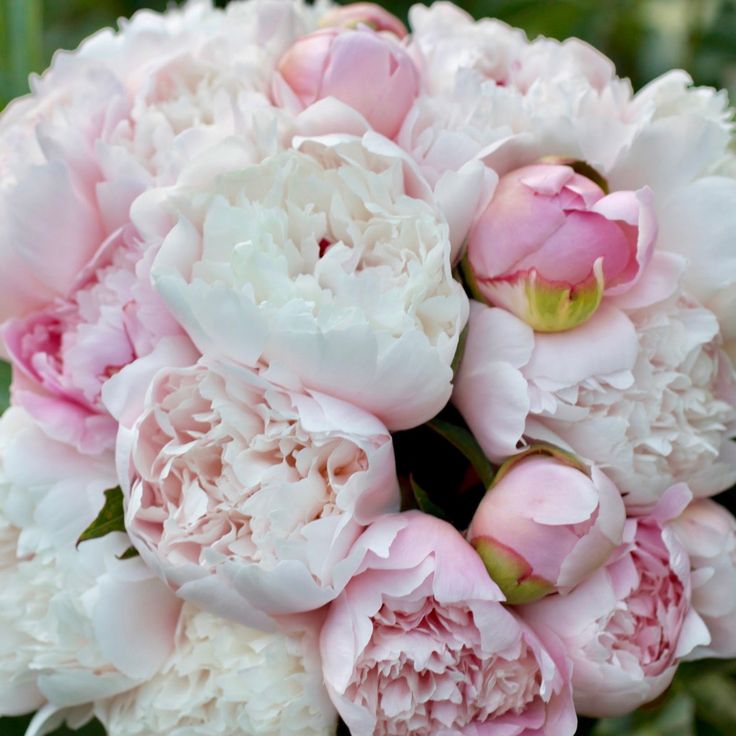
<point>707,531</point>
<point>551,243</point>
<point>419,643</point>
<point>366,70</point>
<point>247,498</point>
<point>369,14</point>
<point>319,265</point>
<point>77,623</point>
<point>490,95</point>
<point>545,525</point>
<point>227,679</point>
<point>647,395</point>
<point>627,626</point>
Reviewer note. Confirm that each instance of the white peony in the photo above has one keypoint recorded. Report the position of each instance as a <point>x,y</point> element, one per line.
<point>649,395</point>
<point>230,680</point>
<point>75,624</point>
<point>320,265</point>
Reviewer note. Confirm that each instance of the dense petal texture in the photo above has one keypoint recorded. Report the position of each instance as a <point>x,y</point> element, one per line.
<point>227,679</point>
<point>707,531</point>
<point>649,395</point>
<point>629,624</point>
<point>419,643</point>
<point>77,623</point>
<point>545,525</point>
<point>318,264</point>
<point>248,498</point>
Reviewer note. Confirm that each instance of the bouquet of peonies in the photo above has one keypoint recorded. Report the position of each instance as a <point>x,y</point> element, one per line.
<point>361,374</point>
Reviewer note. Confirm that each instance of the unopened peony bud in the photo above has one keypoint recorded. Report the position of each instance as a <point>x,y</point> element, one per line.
<point>551,243</point>
<point>368,14</point>
<point>366,70</point>
<point>545,525</point>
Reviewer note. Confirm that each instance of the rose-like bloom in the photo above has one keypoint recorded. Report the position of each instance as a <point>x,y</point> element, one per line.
<point>551,243</point>
<point>419,643</point>
<point>627,626</point>
<point>648,394</point>
<point>247,498</point>
<point>707,531</point>
<point>227,679</point>
<point>366,70</point>
<point>77,623</point>
<point>545,525</point>
<point>368,14</point>
<point>320,264</point>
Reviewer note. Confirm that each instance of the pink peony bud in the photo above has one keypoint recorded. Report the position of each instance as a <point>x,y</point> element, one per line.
<point>545,525</point>
<point>368,14</point>
<point>366,70</point>
<point>551,243</point>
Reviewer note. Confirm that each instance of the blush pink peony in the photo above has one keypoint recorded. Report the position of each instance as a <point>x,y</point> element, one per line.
<point>627,627</point>
<point>419,643</point>
<point>546,524</point>
<point>248,498</point>
<point>551,243</point>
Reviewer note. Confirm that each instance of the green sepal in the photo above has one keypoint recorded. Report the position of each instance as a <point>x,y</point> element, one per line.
<point>541,448</point>
<point>511,572</point>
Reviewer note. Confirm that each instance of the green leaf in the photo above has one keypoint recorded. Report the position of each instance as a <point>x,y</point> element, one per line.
<point>674,717</point>
<point>464,441</point>
<point>110,519</point>
<point>5,375</point>
<point>460,351</point>
<point>424,502</point>
<point>129,554</point>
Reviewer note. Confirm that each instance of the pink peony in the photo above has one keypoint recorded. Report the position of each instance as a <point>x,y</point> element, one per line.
<point>419,643</point>
<point>707,531</point>
<point>551,243</point>
<point>247,498</point>
<point>545,525</point>
<point>367,71</point>
<point>627,627</point>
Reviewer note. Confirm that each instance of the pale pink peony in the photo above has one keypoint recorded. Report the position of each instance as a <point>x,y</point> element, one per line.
<point>64,354</point>
<point>247,498</point>
<point>707,531</point>
<point>419,643</point>
<point>627,626</point>
<point>646,394</point>
<point>368,71</point>
<point>545,525</point>
<point>551,243</point>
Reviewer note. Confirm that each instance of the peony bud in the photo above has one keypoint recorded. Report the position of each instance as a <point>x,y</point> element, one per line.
<point>366,70</point>
<point>368,14</point>
<point>551,243</point>
<point>545,525</point>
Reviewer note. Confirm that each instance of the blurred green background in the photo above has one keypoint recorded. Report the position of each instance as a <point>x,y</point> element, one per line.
<point>644,38</point>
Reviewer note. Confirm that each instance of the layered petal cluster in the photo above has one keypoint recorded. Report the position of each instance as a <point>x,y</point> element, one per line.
<point>627,626</point>
<point>648,395</point>
<point>227,679</point>
<point>707,531</point>
<point>491,95</point>
<point>419,643</point>
<point>77,624</point>
<point>248,498</point>
<point>322,266</point>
